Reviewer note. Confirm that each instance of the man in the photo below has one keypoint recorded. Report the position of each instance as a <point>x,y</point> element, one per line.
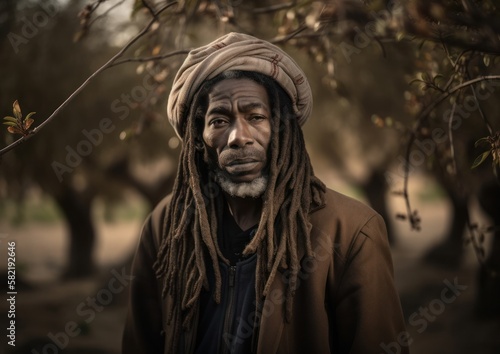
<point>251,253</point>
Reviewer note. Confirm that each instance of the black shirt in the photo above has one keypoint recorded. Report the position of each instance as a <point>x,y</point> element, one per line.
<point>228,327</point>
<point>232,239</point>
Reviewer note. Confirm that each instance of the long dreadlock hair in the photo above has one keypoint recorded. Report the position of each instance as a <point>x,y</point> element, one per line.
<point>190,227</point>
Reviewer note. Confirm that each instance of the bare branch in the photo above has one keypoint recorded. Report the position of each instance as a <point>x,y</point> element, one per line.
<point>289,36</point>
<point>453,63</point>
<point>150,8</point>
<point>105,13</point>
<point>107,65</point>
<point>450,134</point>
<point>481,112</point>
<point>273,8</point>
<point>448,93</point>
<point>419,121</point>
<point>452,29</point>
<point>155,57</point>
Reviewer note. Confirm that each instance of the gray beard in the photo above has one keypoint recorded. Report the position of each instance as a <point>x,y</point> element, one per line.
<point>253,189</point>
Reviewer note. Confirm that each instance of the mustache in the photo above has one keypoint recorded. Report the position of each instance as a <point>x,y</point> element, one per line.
<point>229,156</point>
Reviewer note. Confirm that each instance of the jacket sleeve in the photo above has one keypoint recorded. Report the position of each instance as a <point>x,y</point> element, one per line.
<point>143,332</point>
<point>368,312</point>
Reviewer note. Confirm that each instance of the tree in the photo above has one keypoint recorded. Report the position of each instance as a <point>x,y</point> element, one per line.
<point>448,105</point>
<point>95,144</point>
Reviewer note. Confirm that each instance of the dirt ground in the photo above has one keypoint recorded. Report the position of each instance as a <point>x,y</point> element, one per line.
<point>54,317</point>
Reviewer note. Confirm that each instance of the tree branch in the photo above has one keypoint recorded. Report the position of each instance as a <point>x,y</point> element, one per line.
<point>289,36</point>
<point>449,92</point>
<point>450,134</point>
<point>107,65</point>
<point>150,8</point>
<point>481,113</point>
<point>273,8</point>
<point>413,136</point>
<point>105,13</point>
<point>155,57</point>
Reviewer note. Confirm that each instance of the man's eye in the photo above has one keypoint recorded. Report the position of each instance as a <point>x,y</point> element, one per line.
<point>216,122</point>
<point>257,117</point>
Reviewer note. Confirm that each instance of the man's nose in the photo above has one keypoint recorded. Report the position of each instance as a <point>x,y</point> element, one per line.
<point>240,134</point>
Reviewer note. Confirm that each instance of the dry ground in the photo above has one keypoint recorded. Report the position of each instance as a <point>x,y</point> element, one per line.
<point>46,308</point>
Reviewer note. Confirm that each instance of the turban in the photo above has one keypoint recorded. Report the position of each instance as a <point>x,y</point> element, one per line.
<point>237,51</point>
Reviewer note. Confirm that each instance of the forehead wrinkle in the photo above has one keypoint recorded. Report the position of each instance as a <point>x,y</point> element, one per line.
<point>224,99</point>
<point>218,104</point>
<point>251,105</point>
<point>244,104</point>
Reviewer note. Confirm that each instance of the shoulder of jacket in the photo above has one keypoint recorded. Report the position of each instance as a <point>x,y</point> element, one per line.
<point>345,223</point>
<point>154,223</point>
<point>339,207</point>
<point>160,209</point>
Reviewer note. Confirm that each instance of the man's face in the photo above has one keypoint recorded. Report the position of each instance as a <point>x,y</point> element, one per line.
<point>237,129</point>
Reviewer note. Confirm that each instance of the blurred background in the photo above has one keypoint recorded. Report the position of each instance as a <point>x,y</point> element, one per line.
<point>403,91</point>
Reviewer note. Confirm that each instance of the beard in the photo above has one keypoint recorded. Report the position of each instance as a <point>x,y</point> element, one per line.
<point>252,189</point>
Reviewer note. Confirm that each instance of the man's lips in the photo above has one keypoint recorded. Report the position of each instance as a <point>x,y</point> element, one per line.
<point>241,166</point>
<point>241,162</point>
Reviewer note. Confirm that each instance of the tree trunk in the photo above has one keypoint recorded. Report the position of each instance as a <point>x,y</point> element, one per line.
<point>375,190</point>
<point>488,292</point>
<point>153,193</point>
<point>449,252</point>
<point>77,212</point>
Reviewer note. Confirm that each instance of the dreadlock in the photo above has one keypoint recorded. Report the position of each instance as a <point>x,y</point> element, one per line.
<point>190,226</point>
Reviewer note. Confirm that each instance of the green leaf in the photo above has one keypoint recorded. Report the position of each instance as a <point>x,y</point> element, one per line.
<point>10,119</point>
<point>29,115</point>
<point>486,60</point>
<point>414,81</point>
<point>480,159</point>
<point>12,124</point>
<point>481,141</point>
<point>437,78</point>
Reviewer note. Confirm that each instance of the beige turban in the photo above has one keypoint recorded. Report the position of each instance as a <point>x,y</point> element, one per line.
<point>237,51</point>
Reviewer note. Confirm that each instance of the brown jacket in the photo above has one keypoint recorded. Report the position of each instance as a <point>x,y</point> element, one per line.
<point>345,301</point>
